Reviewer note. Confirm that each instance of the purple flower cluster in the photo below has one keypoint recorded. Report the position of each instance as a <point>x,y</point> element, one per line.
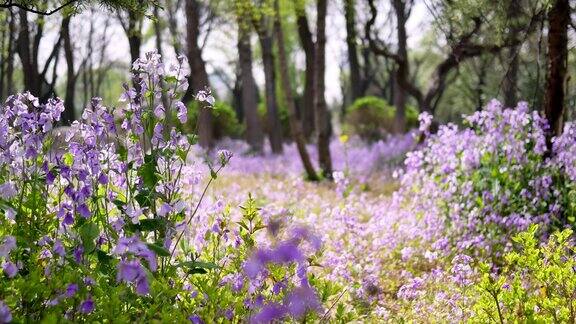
<point>301,299</point>
<point>489,180</point>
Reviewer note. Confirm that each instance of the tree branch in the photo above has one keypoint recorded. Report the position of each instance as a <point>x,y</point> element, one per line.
<point>377,49</point>
<point>11,4</point>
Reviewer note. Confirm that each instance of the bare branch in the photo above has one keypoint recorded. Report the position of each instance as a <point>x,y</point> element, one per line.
<point>372,43</point>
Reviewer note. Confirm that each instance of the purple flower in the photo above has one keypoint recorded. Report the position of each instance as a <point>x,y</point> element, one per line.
<point>5,314</point>
<point>8,245</point>
<point>134,246</point>
<point>224,156</point>
<point>83,210</point>
<point>133,213</point>
<point>59,248</point>
<point>103,178</point>
<point>164,210</point>
<point>301,300</point>
<point>10,269</point>
<point>159,111</point>
<point>71,290</point>
<point>8,191</point>
<point>88,281</point>
<point>87,306</point>
<point>78,253</point>
<point>10,213</point>
<point>195,319</point>
<point>182,111</point>
<point>286,252</point>
<point>229,314</point>
<point>133,272</point>
<point>269,313</point>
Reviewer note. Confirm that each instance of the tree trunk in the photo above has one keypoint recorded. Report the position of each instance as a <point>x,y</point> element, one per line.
<point>274,125</point>
<point>307,43</point>
<point>403,69</point>
<point>158,32</point>
<point>69,110</point>
<point>351,36</point>
<point>295,126</point>
<point>29,68</point>
<point>322,115</point>
<point>172,9</point>
<point>10,58</point>
<point>558,20</point>
<point>510,84</point>
<point>248,91</point>
<point>199,76</point>
<point>3,50</point>
<point>135,43</point>
<point>480,87</point>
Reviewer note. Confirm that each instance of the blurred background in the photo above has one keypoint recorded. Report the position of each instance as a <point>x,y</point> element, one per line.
<point>363,67</point>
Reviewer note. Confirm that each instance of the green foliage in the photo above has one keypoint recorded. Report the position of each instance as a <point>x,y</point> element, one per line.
<point>226,123</point>
<point>372,118</point>
<point>71,7</point>
<point>537,283</point>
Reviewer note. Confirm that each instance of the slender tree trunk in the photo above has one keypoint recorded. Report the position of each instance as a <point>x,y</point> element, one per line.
<point>510,84</point>
<point>558,19</point>
<point>69,110</point>
<point>158,31</point>
<point>480,87</point>
<point>135,42</point>
<point>322,115</point>
<point>248,91</point>
<point>402,70</point>
<point>307,43</point>
<point>273,116</point>
<point>295,126</point>
<point>3,50</point>
<point>351,37</point>
<point>172,8</point>
<point>29,68</point>
<point>10,58</point>
<point>199,76</point>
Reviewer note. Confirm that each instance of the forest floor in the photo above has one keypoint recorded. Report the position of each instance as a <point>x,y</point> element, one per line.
<point>354,216</point>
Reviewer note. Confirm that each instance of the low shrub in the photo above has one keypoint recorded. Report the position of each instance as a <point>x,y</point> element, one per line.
<point>373,118</point>
<point>225,124</point>
<point>536,285</point>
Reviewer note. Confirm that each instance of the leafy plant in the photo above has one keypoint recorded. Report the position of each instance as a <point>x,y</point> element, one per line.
<point>372,118</point>
<point>537,283</point>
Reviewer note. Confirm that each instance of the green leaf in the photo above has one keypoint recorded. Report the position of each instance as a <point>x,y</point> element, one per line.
<point>148,225</point>
<point>123,152</point>
<point>88,233</point>
<point>171,79</point>
<point>158,249</point>
<point>182,154</point>
<point>143,197</point>
<point>103,257</point>
<point>148,172</point>
<point>192,139</point>
<point>197,267</point>
<point>68,159</point>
